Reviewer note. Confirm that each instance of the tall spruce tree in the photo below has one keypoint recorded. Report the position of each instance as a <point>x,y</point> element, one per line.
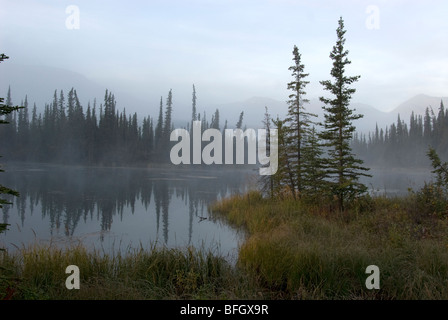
<point>159,127</point>
<point>343,168</point>
<point>267,181</point>
<point>168,116</point>
<point>194,114</point>
<point>298,120</point>
<point>167,126</point>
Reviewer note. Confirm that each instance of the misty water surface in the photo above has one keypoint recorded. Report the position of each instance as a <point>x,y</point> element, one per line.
<point>393,182</point>
<point>114,209</point>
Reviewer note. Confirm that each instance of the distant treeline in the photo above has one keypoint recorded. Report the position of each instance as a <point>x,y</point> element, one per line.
<point>99,135</point>
<point>403,144</point>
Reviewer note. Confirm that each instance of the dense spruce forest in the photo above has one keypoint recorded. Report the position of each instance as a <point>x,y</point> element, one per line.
<point>405,144</point>
<point>69,133</point>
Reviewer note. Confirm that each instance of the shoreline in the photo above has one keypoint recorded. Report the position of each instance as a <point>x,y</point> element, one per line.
<point>290,249</point>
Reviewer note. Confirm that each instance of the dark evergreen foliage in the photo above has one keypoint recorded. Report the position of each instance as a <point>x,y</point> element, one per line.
<point>404,144</point>
<point>342,166</point>
<point>66,133</point>
<point>298,123</point>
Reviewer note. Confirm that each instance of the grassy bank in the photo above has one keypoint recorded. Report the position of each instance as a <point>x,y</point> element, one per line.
<point>38,272</point>
<point>305,251</point>
<point>294,250</point>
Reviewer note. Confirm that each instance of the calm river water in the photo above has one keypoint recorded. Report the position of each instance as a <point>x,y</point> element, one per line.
<point>116,209</point>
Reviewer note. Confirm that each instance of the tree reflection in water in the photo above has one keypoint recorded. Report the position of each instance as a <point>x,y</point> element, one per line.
<point>167,205</point>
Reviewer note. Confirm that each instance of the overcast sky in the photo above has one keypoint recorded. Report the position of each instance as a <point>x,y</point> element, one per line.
<point>234,50</point>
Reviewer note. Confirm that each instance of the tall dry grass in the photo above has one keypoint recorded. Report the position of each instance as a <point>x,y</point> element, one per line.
<point>293,250</point>
<point>38,272</point>
<point>304,250</point>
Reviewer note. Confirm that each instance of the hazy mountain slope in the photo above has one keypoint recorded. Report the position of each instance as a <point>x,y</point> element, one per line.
<point>254,109</point>
<point>39,83</point>
<point>418,104</point>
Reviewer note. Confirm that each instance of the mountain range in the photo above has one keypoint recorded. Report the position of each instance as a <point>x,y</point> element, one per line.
<point>254,110</point>
<point>40,82</point>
